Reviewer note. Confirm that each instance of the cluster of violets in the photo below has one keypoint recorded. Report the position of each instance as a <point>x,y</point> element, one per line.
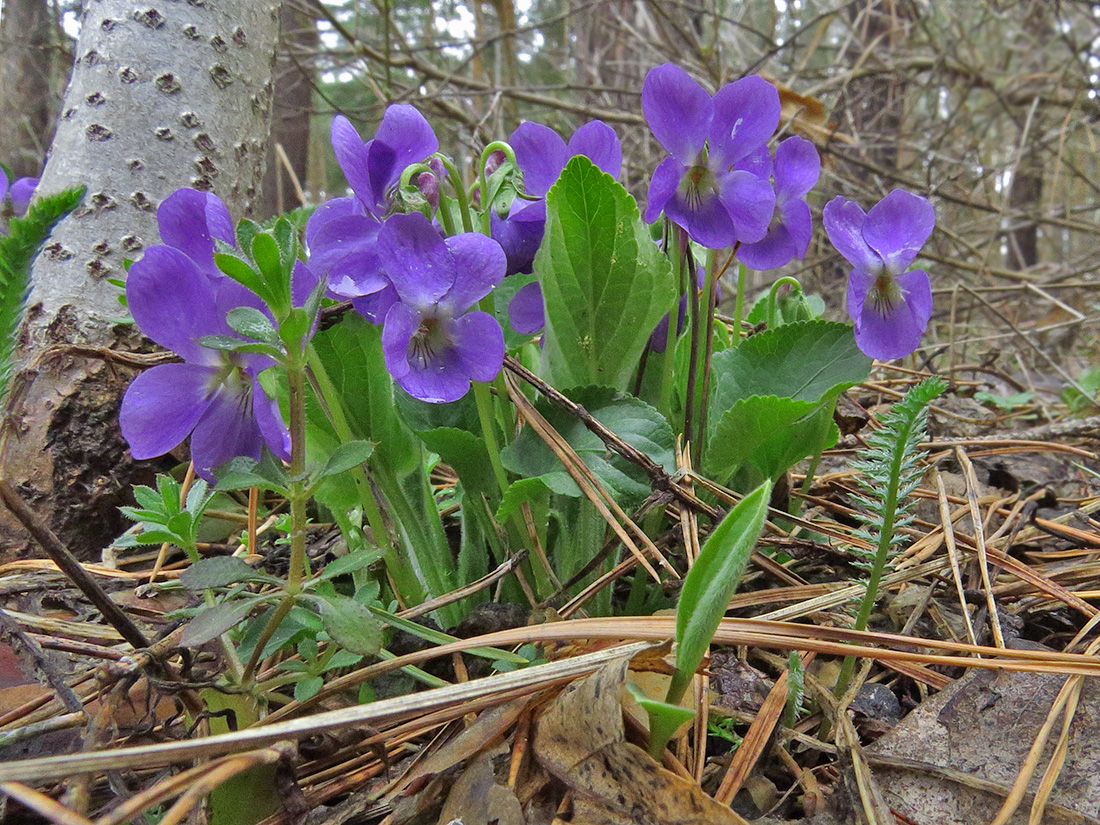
<point>720,184</point>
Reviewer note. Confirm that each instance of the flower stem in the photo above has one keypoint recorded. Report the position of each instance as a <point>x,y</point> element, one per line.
<point>404,577</point>
<point>739,302</point>
<point>483,182</point>
<point>460,193</point>
<point>485,416</point>
<point>706,350</point>
<point>673,320</point>
<point>773,292</point>
<point>296,380</point>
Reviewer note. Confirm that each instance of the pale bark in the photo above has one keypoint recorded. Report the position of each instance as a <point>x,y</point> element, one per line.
<point>164,94</point>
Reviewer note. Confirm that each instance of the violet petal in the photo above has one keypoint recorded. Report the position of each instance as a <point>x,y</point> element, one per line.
<point>844,220</point>
<point>479,265</point>
<point>330,210</point>
<point>226,430</point>
<point>419,264</point>
<point>479,344</point>
<point>410,136</point>
<point>797,168</point>
<point>174,303</point>
<point>527,309</point>
<point>351,154</point>
<point>520,233</point>
<point>598,142</point>
<point>750,202</point>
<point>746,114</point>
<point>541,154</point>
<point>678,111</point>
<point>662,187</point>
<point>270,421</point>
<point>22,191</point>
<point>897,227</point>
<point>190,221</point>
<point>162,405</point>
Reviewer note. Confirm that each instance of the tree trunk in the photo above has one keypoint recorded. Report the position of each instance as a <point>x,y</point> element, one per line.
<point>27,54</point>
<point>299,44</point>
<point>163,95</point>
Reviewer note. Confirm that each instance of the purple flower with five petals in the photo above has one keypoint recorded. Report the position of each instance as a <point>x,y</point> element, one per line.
<point>433,344</point>
<point>541,155</point>
<point>797,167</point>
<point>342,233</point>
<point>698,186</point>
<point>213,396</point>
<point>889,306</point>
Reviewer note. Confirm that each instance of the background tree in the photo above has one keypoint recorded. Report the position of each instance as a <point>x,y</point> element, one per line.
<point>31,60</point>
<point>288,148</point>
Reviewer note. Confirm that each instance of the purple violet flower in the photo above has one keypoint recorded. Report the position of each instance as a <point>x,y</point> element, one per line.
<point>890,306</point>
<point>341,234</point>
<point>541,155</point>
<point>698,186</point>
<point>433,345</point>
<point>796,170</point>
<point>213,396</point>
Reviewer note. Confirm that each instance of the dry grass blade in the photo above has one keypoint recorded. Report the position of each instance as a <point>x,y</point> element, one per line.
<point>459,698</point>
<point>48,808</point>
<point>953,557</point>
<point>616,519</point>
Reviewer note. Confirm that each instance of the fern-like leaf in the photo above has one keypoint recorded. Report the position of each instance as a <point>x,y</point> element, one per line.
<point>889,471</point>
<point>17,251</point>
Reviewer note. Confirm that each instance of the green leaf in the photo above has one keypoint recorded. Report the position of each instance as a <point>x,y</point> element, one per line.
<point>605,283</point>
<point>243,472</point>
<point>806,361</point>
<point>239,270</point>
<point>768,434</point>
<point>230,343</point>
<point>307,687</point>
<point>634,421</point>
<point>159,537</point>
<point>421,417</point>
<point>351,625</point>
<point>523,491</point>
<point>221,571</point>
<point>440,638</point>
<point>711,582</point>
<point>467,455</point>
<point>294,329</point>
<point>148,498</point>
<point>349,564</point>
<point>346,456</point>
<point>265,252</point>
<point>252,323</point>
<point>214,621</point>
<point>197,498</point>
<point>343,658</point>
